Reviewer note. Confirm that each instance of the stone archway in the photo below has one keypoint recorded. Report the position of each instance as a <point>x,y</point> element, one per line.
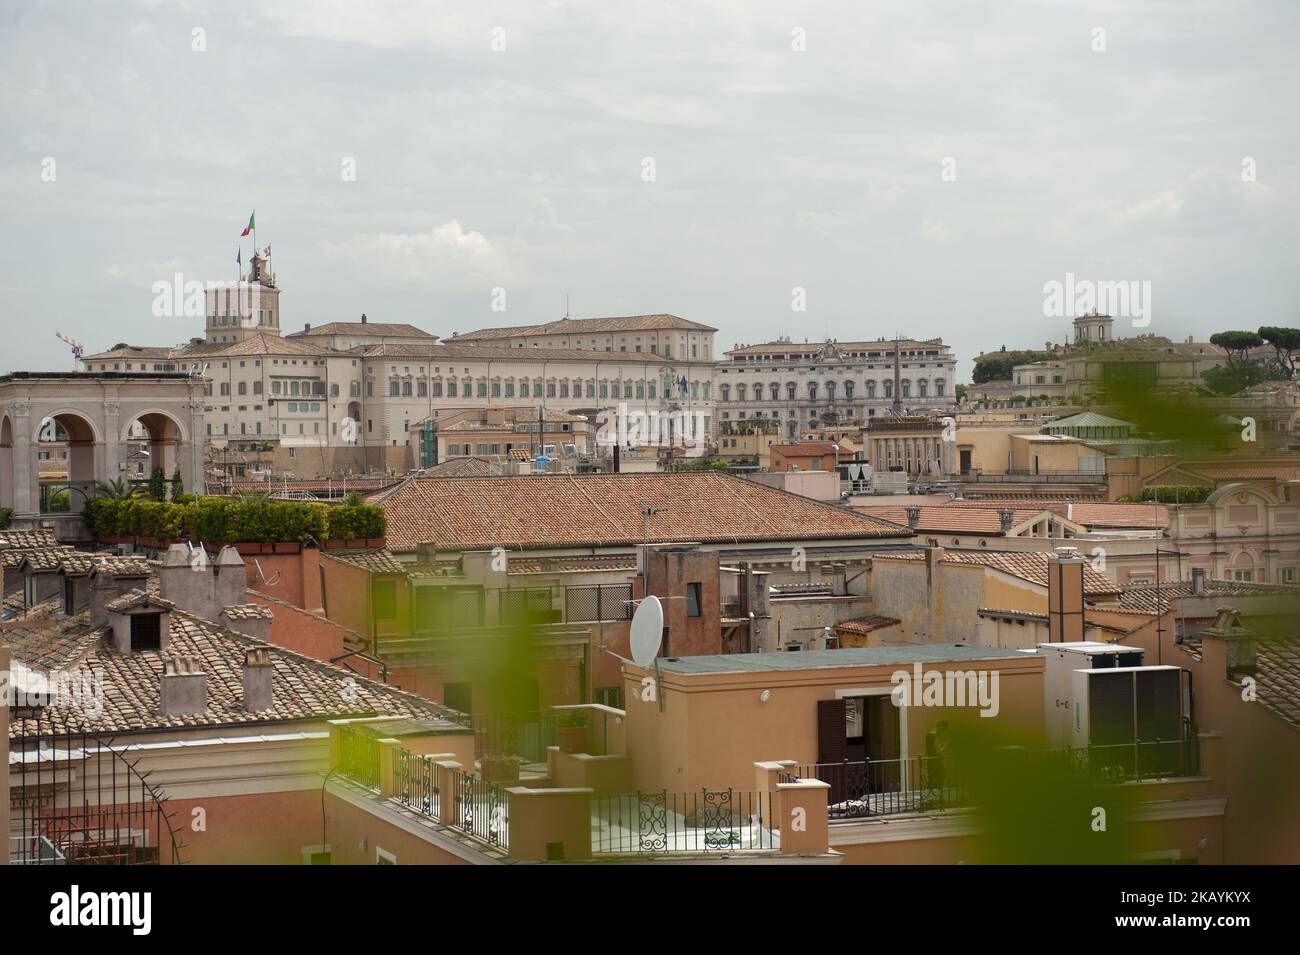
<point>90,416</point>
<point>164,438</point>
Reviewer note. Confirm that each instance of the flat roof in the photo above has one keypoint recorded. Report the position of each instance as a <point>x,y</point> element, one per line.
<point>825,659</point>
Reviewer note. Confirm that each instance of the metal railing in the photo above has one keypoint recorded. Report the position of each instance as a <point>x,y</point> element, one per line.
<point>726,820</point>
<point>415,783</point>
<point>523,734</point>
<point>359,756</point>
<point>599,602</point>
<point>885,787</point>
<point>482,810</point>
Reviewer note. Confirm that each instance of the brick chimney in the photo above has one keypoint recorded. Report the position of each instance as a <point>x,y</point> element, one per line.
<point>259,671</point>
<point>1065,613</point>
<point>183,689</point>
<point>186,580</point>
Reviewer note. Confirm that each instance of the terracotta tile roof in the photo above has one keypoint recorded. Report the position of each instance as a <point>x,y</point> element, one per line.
<point>1030,566</point>
<point>248,612</point>
<point>1277,675</point>
<point>1142,516</point>
<point>259,344</point>
<point>368,329</point>
<point>572,565</point>
<point>142,352</point>
<point>132,565</point>
<point>463,467</point>
<point>589,326</point>
<point>20,539</point>
<point>945,518</point>
<point>40,559</point>
<point>361,486</point>
<point>804,449</point>
<point>374,561</point>
<point>866,624</point>
<point>303,688</point>
<point>80,563</point>
<point>1152,599</point>
<point>562,510</point>
<point>137,598</point>
<point>1043,618</point>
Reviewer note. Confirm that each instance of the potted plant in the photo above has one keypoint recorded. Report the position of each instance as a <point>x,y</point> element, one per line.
<point>499,768</point>
<point>573,731</point>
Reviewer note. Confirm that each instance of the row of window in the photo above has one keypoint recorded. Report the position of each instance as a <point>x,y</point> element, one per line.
<point>563,389</point>
<point>831,390</point>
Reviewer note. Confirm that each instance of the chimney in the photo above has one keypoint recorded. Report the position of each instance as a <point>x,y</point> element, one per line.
<point>426,552</point>
<point>230,586</point>
<point>252,620</point>
<point>1007,516</point>
<point>107,585</point>
<point>258,674</point>
<point>1065,615</point>
<point>1198,580</point>
<point>913,517</point>
<point>839,580</point>
<point>183,689</point>
<point>306,326</point>
<point>363,318</point>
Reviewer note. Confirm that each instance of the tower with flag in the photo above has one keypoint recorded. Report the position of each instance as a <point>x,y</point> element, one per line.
<point>250,305</point>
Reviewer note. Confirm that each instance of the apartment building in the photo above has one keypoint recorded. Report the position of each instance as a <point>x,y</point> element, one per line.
<point>806,386</point>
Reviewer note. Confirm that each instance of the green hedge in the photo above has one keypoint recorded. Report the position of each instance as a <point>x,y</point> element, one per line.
<point>6,515</point>
<point>1176,493</point>
<point>218,521</point>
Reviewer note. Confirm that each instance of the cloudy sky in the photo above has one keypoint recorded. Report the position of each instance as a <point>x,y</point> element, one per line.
<point>508,146</point>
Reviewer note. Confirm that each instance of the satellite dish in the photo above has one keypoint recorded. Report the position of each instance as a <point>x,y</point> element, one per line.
<point>647,631</point>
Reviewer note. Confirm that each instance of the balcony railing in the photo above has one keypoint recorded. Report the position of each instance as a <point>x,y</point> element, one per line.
<point>884,787</point>
<point>726,820</point>
<point>359,756</point>
<point>483,810</point>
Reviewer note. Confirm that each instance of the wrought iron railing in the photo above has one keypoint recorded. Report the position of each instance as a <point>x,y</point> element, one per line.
<point>482,810</point>
<point>358,756</point>
<point>526,735</point>
<point>884,787</point>
<point>726,820</point>
<point>415,782</point>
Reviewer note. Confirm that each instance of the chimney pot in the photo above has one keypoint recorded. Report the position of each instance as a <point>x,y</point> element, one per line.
<point>913,517</point>
<point>259,672</point>
<point>1007,516</point>
<point>1198,580</point>
<point>183,689</point>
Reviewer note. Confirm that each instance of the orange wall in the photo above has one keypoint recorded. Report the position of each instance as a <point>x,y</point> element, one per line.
<point>355,834</point>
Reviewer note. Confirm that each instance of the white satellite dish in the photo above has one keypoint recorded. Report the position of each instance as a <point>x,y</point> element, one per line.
<point>647,631</point>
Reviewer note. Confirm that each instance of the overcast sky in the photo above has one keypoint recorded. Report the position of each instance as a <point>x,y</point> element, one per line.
<point>524,168</point>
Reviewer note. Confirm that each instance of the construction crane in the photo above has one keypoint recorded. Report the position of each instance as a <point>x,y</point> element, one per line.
<point>78,349</point>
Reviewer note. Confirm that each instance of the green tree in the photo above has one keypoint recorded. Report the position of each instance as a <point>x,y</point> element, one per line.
<point>1231,380</point>
<point>178,486</point>
<point>997,366</point>
<point>1236,344</point>
<point>158,485</point>
<point>1286,343</point>
<point>117,489</point>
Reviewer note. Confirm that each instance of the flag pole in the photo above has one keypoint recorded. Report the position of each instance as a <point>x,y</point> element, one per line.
<point>255,232</point>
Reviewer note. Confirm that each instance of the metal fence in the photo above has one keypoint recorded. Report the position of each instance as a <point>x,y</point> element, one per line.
<point>725,820</point>
<point>883,787</point>
<point>415,782</point>
<point>482,810</point>
<point>603,602</point>
<point>359,756</point>
<point>78,799</point>
<point>523,734</point>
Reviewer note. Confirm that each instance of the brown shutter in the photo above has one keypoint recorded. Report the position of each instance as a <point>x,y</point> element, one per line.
<point>832,747</point>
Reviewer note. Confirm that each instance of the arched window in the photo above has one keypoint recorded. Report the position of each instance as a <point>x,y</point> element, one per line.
<point>907,388</point>
<point>776,390</point>
<point>923,388</point>
<point>889,388</point>
<point>938,387</point>
<point>726,392</point>
<point>812,391</point>
<point>848,391</point>
<point>830,391</point>
<point>741,392</point>
<point>791,390</point>
<point>871,391</point>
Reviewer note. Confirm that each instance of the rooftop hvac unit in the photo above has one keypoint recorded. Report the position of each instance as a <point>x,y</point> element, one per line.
<point>1060,661</point>
<point>1132,720</point>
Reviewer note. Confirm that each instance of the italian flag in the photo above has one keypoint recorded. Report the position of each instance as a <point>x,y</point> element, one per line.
<point>251,225</point>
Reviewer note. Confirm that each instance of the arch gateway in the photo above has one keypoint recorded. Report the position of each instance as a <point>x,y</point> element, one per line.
<point>62,432</point>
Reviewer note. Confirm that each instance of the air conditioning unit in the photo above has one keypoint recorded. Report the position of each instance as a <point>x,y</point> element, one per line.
<point>1131,720</point>
<point>1060,661</point>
